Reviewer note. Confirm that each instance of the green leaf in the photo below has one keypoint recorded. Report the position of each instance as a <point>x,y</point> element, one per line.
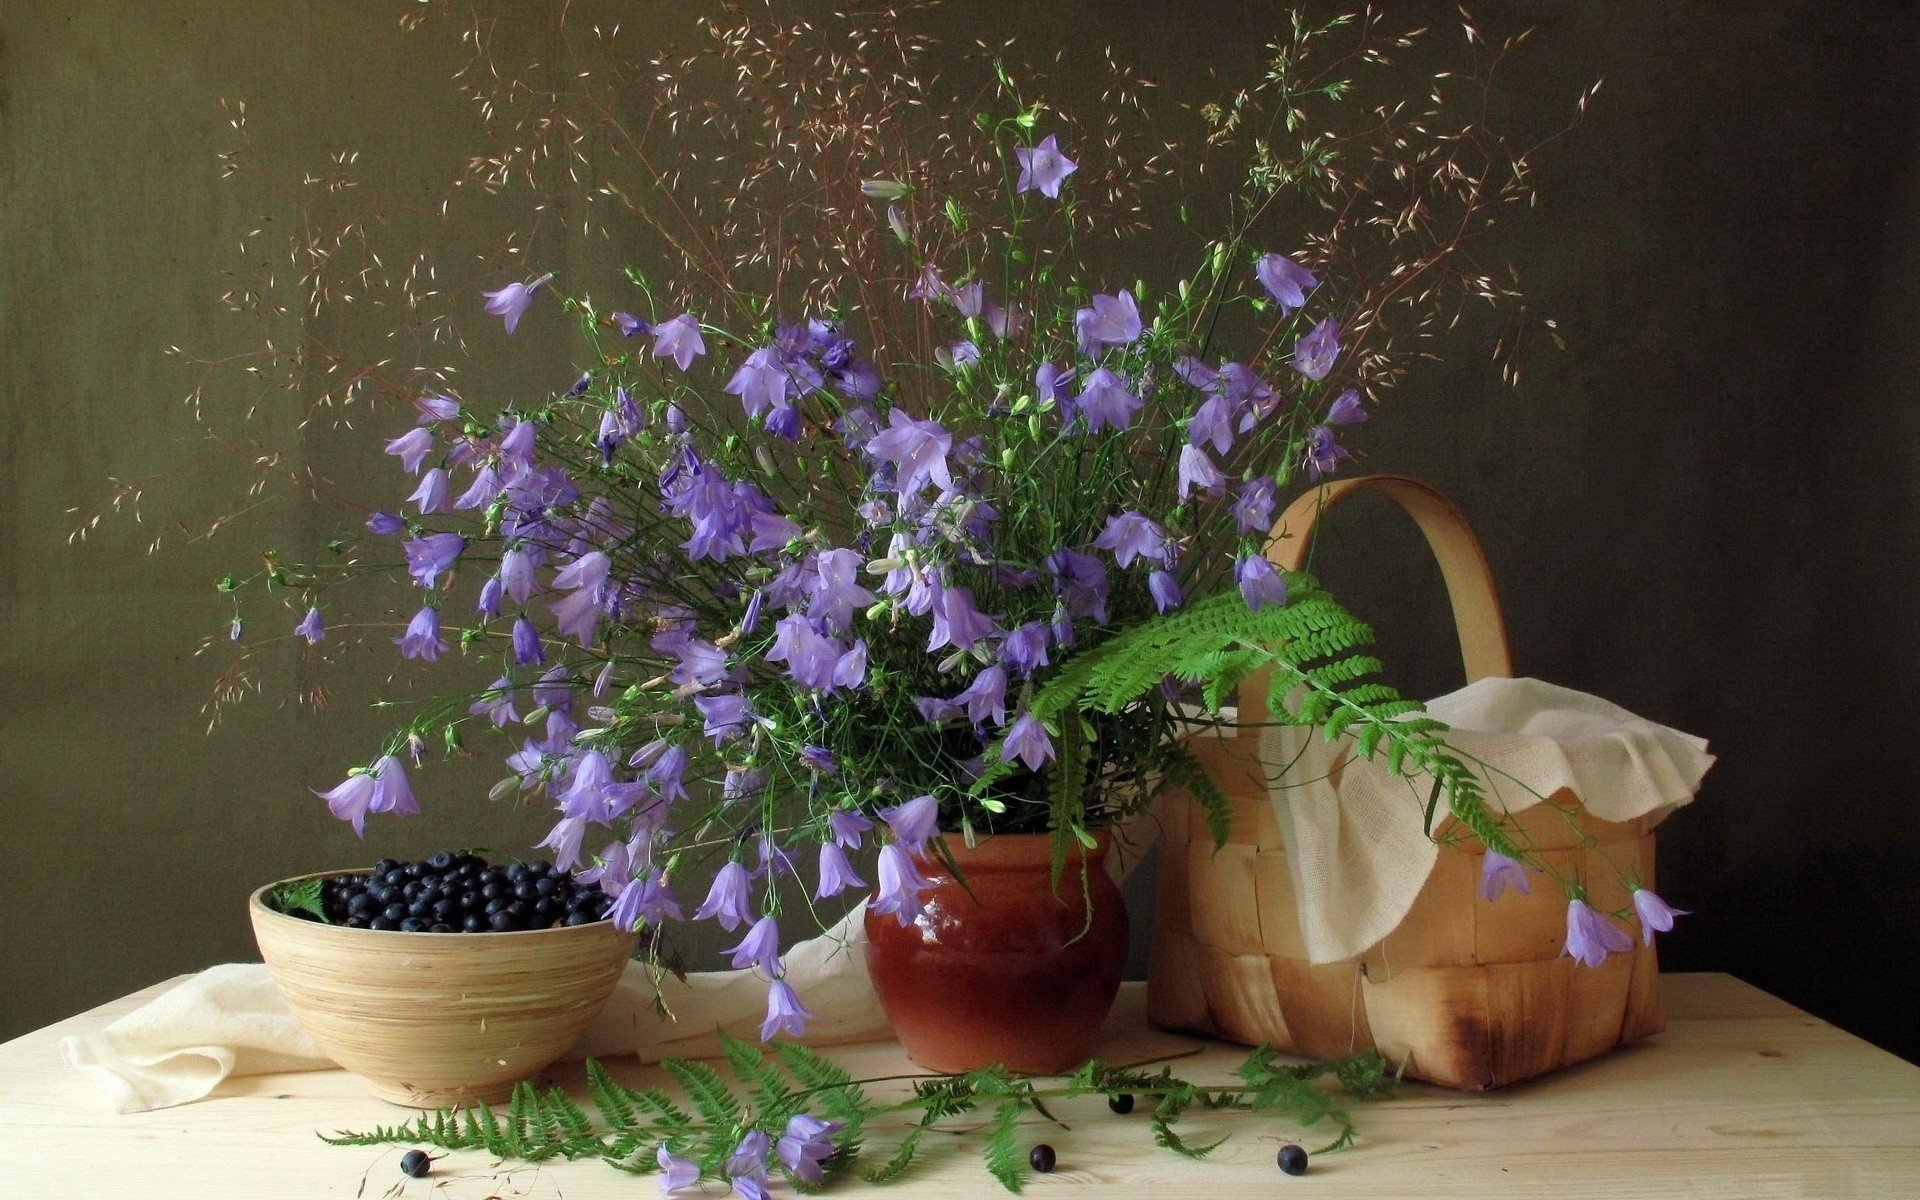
<point>1003,1146</point>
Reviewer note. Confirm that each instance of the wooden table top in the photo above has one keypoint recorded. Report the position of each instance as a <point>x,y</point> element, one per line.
<point>1743,1096</point>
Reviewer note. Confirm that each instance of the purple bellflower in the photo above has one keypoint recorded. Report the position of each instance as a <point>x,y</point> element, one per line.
<point>1259,582</point>
<point>1108,321</point>
<point>1107,402</point>
<point>785,1013</point>
<point>1498,873</point>
<point>900,886</point>
<point>1656,915</point>
<point>679,339</point>
<point>511,302</point>
<point>1285,280</point>
<point>807,1143</point>
<point>1043,168</point>
<point>422,638</point>
<point>312,627</point>
<point>727,901</point>
<point>1315,353</point>
<point>1591,937</point>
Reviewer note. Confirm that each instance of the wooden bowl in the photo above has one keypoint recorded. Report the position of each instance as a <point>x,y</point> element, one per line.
<point>433,1020</point>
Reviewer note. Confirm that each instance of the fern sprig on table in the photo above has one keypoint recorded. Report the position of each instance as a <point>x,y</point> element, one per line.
<point>628,1125</point>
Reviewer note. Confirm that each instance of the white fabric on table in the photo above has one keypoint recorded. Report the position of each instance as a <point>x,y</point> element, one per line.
<point>231,1020</point>
<point>1354,833</point>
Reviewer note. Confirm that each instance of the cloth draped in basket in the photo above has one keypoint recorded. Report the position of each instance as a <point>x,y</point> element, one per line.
<point>1354,833</point>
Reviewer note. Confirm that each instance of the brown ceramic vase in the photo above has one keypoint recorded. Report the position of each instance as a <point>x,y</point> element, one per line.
<point>1002,970</point>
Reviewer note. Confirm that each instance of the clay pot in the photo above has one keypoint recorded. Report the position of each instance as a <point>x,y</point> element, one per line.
<point>1002,969</point>
<point>432,1020</point>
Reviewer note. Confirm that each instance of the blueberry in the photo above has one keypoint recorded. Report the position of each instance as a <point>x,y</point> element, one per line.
<point>1293,1160</point>
<point>504,920</point>
<point>416,1163</point>
<point>413,925</point>
<point>1041,1158</point>
<point>473,923</point>
<point>441,861</point>
<point>385,923</point>
<point>1121,1103</point>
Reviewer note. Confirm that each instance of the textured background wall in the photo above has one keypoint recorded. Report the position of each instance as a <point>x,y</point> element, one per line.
<point>1705,509</point>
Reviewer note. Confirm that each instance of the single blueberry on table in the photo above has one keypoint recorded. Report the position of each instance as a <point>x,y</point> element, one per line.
<point>1042,1158</point>
<point>416,1163</point>
<point>1293,1160</point>
<point>1121,1103</point>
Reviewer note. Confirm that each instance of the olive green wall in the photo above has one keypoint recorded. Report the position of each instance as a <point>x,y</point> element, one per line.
<point>1704,509</point>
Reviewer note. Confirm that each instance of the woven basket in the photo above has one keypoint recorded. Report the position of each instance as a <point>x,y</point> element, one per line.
<point>1467,994</point>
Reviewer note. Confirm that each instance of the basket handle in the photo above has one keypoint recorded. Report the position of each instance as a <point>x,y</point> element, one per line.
<point>1463,564</point>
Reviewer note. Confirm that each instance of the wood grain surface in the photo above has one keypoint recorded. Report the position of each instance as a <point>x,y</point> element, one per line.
<point>1742,1096</point>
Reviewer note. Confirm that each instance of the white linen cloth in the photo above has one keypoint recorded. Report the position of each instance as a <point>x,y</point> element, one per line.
<point>231,1020</point>
<point>1354,833</point>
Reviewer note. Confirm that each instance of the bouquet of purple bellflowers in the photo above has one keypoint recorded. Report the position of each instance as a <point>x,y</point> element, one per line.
<point>949,537</point>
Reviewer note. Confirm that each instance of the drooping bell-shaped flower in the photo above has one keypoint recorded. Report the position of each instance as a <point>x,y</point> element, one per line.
<point>956,622</point>
<point>1165,590</point>
<point>431,495</point>
<point>385,524</point>
<point>901,884</point>
<point>312,627</point>
<point>985,699</point>
<point>845,825</point>
<point>728,901</point>
<point>1028,741</point>
<point>914,823</point>
<point>1259,583</point>
<point>1107,402</point>
<point>527,650</point>
<point>1025,648</point>
<point>676,1173</point>
<point>412,448</point>
<point>1346,409</point>
<point>1285,280</point>
<point>432,555</point>
<point>1198,471</point>
<point>351,799</point>
<point>511,302</point>
<point>836,872</point>
<point>1591,937</point>
<point>496,703</point>
<point>1656,915</point>
<point>646,900</point>
<point>760,947</point>
<point>391,792</point>
<point>486,486</point>
<point>785,1013</point>
<point>1498,873</point>
<point>807,1143</point>
<point>422,638</point>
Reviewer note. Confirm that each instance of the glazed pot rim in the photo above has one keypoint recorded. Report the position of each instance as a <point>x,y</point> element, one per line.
<point>257,906</point>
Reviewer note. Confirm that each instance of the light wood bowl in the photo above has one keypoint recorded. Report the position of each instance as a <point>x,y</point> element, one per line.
<point>434,1020</point>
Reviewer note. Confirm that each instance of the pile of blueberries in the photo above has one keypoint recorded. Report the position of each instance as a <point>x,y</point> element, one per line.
<point>458,892</point>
